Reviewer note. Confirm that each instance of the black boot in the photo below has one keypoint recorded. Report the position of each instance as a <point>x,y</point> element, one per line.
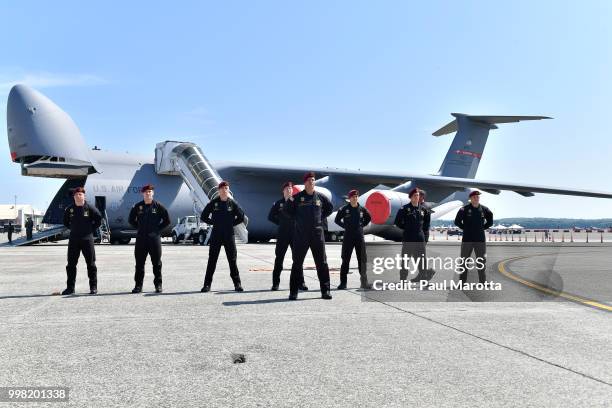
<point>365,285</point>
<point>238,287</point>
<point>205,288</point>
<point>137,289</point>
<point>93,290</point>
<point>325,293</point>
<point>343,279</point>
<point>158,288</point>
<point>68,291</point>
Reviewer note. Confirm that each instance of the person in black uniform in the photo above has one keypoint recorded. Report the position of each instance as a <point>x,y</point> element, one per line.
<point>428,212</point>
<point>29,226</point>
<point>284,235</point>
<point>9,231</point>
<point>353,217</point>
<point>474,219</point>
<point>150,218</point>
<point>430,272</point>
<point>411,219</point>
<point>309,209</point>
<point>82,219</point>
<point>223,213</point>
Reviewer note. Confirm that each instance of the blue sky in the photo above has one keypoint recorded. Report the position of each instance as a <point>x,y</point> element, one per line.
<point>354,84</point>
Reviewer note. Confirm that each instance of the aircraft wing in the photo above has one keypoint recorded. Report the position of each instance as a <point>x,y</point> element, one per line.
<point>494,187</point>
<point>366,180</point>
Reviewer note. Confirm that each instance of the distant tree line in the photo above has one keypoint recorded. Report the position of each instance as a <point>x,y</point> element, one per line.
<point>531,223</point>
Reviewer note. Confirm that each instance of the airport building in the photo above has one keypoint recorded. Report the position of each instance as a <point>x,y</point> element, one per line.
<point>18,215</point>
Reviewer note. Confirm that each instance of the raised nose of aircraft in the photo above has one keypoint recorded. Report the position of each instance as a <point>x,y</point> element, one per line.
<point>39,129</point>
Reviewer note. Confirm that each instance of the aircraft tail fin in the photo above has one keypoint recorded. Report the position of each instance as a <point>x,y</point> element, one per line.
<point>466,150</point>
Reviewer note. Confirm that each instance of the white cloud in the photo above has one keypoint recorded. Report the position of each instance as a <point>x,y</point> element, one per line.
<point>49,80</point>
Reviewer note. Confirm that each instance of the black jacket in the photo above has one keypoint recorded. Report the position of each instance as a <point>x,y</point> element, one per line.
<point>474,221</point>
<point>309,211</point>
<point>278,215</point>
<point>82,221</point>
<point>427,220</point>
<point>414,221</point>
<point>223,216</point>
<point>353,219</point>
<point>149,220</point>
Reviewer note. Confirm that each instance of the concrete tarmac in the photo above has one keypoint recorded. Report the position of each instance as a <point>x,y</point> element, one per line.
<point>518,348</point>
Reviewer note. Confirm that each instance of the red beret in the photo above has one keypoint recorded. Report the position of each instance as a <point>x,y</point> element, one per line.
<point>473,193</point>
<point>309,175</point>
<point>147,187</point>
<point>223,184</point>
<point>78,190</point>
<point>413,191</point>
<point>287,184</point>
<point>352,193</point>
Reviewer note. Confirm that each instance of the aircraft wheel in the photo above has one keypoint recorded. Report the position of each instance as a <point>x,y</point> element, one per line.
<point>175,239</point>
<point>202,237</point>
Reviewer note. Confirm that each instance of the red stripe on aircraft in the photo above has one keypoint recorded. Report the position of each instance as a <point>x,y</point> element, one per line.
<point>468,153</point>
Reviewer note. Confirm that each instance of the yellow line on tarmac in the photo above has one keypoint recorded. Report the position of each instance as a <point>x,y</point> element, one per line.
<point>587,302</point>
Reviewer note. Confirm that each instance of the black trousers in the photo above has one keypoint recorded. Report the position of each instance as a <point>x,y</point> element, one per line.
<point>357,243</point>
<point>229,243</point>
<point>315,241</point>
<point>148,245</point>
<point>283,242</point>
<point>75,247</point>
<point>480,249</point>
<point>416,251</point>
<point>28,234</point>
<point>10,237</point>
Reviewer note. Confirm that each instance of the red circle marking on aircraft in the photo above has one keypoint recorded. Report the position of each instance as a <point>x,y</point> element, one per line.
<point>379,207</point>
<point>296,189</point>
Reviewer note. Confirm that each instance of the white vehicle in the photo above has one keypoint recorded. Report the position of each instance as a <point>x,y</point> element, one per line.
<point>189,228</point>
